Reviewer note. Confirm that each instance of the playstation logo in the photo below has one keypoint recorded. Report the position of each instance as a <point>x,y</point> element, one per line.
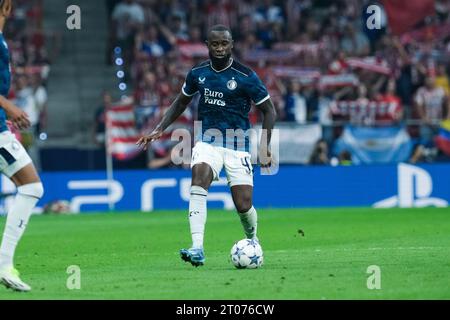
<point>414,189</point>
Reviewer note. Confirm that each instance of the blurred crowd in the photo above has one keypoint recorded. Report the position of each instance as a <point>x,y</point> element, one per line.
<point>318,59</point>
<point>30,68</point>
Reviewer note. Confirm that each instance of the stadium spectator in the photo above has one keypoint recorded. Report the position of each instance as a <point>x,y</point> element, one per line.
<point>345,158</point>
<point>320,154</point>
<point>99,129</point>
<point>220,12</point>
<point>25,100</point>
<point>268,13</point>
<point>40,98</point>
<point>269,20</point>
<point>394,110</point>
<point>295,107</point>
<point>179,28</point>
<point>128,18</point>
<point>442,80</point>
<point>324,114</point>
<point>432,106</point>
<point>422,154</point>
<point>417,155</point>
<point>354,42</point>
<point>148,101</point>
<point>152,43</point>
<point>195,35</point>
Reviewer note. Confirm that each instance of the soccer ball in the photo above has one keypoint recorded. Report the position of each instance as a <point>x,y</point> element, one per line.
<point>247,254</point>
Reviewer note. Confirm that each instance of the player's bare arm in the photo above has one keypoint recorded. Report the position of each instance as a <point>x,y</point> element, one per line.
<point>176,109</point>
<point>17,116</point>
<point>270,115</point>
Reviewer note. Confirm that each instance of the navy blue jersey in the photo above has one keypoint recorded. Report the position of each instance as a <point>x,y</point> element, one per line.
<point>225,101</point>
<point>5,78</point>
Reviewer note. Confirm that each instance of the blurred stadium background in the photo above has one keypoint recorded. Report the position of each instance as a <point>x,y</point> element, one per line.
<point>363,113</point>
<point>364,122</point>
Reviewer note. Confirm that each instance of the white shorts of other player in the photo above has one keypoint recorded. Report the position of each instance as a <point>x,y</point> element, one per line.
<point>13,155</point>
<point>238,165</point>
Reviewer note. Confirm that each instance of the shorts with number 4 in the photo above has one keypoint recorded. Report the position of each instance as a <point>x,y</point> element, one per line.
<point>13,155</point>
<point>238,166</point>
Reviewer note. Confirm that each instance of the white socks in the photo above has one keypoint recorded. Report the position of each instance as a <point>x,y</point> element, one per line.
<point>249,221</point>
<point>19,214</point>
<point>197,215</point>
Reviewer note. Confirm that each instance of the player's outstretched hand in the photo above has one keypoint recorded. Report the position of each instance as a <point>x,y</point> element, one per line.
<point>18,117</point>
<point>268,163</point>
<point>144,141</point>
<point>265,159</point>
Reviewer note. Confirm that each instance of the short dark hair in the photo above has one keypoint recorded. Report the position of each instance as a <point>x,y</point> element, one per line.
<point>219,27</point>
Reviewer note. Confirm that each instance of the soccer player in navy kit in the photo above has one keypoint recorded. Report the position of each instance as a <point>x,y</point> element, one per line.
<point>16,165</point>
<point>226,90</point>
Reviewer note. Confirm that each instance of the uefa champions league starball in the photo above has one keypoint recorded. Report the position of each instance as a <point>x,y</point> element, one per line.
<point>247,254</point>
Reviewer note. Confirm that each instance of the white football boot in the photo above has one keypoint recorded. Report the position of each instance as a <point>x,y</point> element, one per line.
<point>9,277</point>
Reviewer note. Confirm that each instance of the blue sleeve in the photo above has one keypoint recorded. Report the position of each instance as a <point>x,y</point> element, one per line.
<point>257,90</point>
<point>190,86</point>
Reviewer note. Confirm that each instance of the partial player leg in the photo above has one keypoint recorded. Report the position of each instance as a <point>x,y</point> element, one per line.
<point>242,198</point>
<point>239,171</point>
<point>202,176</point>
<point>29,191</point>
<point>207,162</point>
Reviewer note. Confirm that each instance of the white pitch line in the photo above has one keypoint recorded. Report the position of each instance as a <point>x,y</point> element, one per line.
<point>368,249</point>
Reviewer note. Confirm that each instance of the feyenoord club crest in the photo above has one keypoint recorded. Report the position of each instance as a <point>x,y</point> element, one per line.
<point>232,84</point>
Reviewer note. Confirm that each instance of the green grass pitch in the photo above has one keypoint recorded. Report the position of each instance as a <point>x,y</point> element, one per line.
<point>309,254</point>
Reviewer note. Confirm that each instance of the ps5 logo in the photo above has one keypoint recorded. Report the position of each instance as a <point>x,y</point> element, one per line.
<point>414,189</point>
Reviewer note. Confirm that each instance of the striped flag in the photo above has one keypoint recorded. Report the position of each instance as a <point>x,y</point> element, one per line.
<point>370,63</point>
<point>443,138</point>
<point>375,144</point>
<point>122,132</point>
<point>338,80</point>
